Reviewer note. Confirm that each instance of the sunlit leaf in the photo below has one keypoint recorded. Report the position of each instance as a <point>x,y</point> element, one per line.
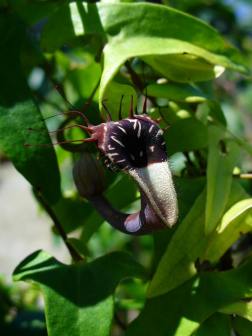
<point>188,243</point>
<point>182,68</point>
<point>241,308</point>
<point>156,38</point>
<point>222,157</point>
<point>236,221</point>
<point>182,310</point>
<point>177,92</point>
<point>177,263</point>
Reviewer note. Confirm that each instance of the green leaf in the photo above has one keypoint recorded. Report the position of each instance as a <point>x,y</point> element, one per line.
<point>222,157</point>
<point>217,325</point>
<point>79,247</point>
<point>242,326</point>
<point>113,96</point>
<point>241,308</point>
<point>177,264</point>
<point>216,112</point>
<point>186,135</point>
<point>243,143</point>
<point>82,75</point>
<point>183,68</point>
<point>188,190</point>
<point>236,221</point>
<point>211,110</point>
<point>72,212</point>
<point>188,243</point>
<point>32,12</point>
<point>182,310</point>
<point>18,112</point>
<point>159,38</point>
<point>175,91</point>
<point>147,31</point>
<point>81,304</point>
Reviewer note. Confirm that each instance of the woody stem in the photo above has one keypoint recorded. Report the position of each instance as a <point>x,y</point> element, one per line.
<point>75,256</point>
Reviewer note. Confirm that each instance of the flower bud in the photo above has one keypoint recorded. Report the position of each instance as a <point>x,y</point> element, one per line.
<point>88,176</point>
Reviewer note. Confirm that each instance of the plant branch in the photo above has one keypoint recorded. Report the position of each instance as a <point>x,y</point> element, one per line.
<point>75,256</point>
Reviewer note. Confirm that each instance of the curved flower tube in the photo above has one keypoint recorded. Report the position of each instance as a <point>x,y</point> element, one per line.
<point>136,146</point>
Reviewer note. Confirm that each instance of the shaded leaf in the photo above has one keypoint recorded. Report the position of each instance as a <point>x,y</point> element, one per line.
<point>186,135</point>
<point>32,12</point>
<point>18,112</point>
<point>242,326</point>
<point>79,247</point>
<point>86,294</point>
<point>217,325</point>
<point>216,112</point>
<point>72,212</point>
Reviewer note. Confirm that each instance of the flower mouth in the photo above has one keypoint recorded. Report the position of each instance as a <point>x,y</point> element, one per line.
<point>134,143</point>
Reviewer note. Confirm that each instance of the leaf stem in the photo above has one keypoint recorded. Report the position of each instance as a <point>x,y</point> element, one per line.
<point>134,77</point>
<point>75,256</point>
<point>137,81</point>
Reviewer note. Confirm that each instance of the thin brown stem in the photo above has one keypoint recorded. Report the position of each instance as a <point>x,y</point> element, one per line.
<point>134,77</point>
<point>120,323</point>
<point>137,81</point>
<point>75,256</point>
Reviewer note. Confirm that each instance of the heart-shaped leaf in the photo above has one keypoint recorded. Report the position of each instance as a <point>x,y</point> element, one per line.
<point>147,31</point>
<point>79,297</point>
